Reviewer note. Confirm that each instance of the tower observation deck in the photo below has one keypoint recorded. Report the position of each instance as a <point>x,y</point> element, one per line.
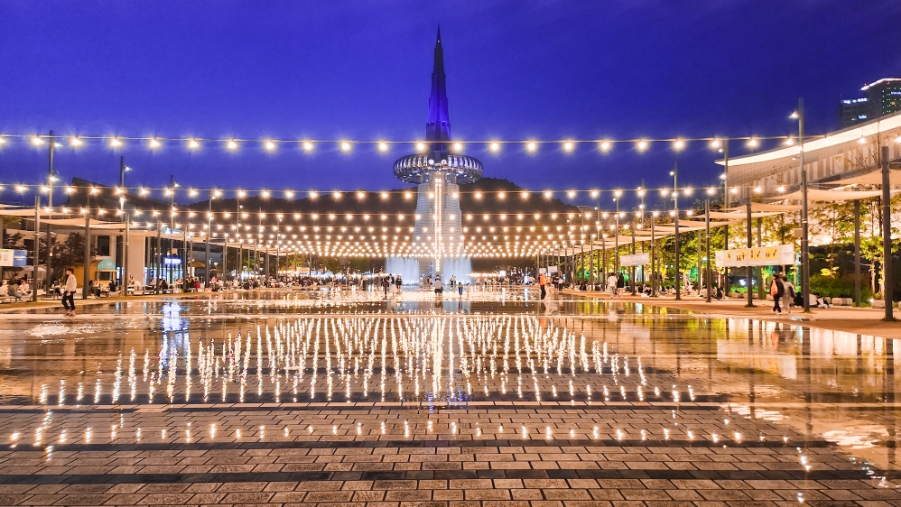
<point>438,172</point>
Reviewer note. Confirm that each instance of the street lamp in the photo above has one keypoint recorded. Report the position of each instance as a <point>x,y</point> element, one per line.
<point>122,169</point>
<point>675,174</point>
<point>805,244</point>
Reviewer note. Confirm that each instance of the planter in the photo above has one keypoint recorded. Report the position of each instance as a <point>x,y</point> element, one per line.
<point>842,301</point>
<point>878,303</point>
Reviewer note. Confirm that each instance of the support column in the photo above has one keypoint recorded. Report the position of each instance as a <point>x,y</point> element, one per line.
<point>591,261</point>
<point>158,255</point>
<point>124,284</point>
<point>86,276</point>
<point>887,286</point>
<point>750,270</point>
<point>2,241</point>
<point>857,253</point>
<point>761,290</point>
<point>653,259</point>
<point>37,248</point>
<point>632,276</point>
<point>707,274</point>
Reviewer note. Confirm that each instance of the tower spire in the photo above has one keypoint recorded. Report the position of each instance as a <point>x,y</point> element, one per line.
<point>438,126</point>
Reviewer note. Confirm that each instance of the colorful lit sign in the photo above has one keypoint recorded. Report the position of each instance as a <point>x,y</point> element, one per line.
<point>756,256</point>
<point>13,258</point>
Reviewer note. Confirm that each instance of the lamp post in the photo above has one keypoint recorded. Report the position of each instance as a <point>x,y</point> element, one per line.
<point>122,169</point>
<point>209,233</point>
<point>805,239</point>
<point>653,257</point>
<point>640,215</point>
<point>675,174</point>
<point>171,191</point>
<point>616,238</point>
<point>707,240</point>
<point>887,288</point>
<point>121,192</point>
<point>51,179</point>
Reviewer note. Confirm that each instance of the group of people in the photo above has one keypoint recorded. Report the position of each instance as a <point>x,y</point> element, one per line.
<point>391,284</point>
<point>783,292</point>
<point>21,290</point>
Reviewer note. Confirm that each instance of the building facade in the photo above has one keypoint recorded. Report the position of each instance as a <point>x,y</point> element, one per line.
<point>880,98</point>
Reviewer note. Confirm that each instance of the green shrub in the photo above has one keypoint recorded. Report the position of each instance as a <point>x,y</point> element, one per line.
<point>836,287</point>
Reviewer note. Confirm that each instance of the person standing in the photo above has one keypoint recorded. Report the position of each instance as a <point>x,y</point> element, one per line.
<point>789,297</point>
<point>436,284</point>
<point>69,293</point>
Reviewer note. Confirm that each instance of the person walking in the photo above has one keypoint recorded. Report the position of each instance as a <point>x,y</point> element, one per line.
<point>611,284</point>
<point>69,293</point>
<point>542,284</point>
<point>777,290</point>
<point>436,284</point>
<point>789,297</point>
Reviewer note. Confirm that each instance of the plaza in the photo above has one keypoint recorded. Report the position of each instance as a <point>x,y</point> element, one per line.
<point>325,396</point>
<point>655,264</point>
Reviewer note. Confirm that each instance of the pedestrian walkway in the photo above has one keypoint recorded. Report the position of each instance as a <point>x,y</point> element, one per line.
<point>842,318</point>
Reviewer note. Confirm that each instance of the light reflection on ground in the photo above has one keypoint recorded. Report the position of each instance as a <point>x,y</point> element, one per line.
<point>500,346</point>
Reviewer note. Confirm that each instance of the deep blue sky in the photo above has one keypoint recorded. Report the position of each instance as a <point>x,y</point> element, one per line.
<point>540,69</point>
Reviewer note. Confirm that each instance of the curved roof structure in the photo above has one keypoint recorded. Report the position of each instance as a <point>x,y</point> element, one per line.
<point>438,158</point>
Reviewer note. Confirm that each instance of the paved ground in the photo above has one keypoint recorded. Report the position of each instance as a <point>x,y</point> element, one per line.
<point>495,400</point>
<point>849,319</point>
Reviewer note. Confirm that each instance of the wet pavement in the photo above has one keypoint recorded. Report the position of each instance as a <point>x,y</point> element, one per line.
<point>320,396</point>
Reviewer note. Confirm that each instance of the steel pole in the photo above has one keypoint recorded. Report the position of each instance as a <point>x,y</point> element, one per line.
<point>857,253</point>
<point>633,255</point>
<point>887,282</point>
<point>124,284</point>
<point>707,237</point>
<point>805,238</point>
<point>86,275</point>
<point>726,285</point>
<point>50,177</point>
<point>676,223</point>
<point>159,257</point>
<point>750,272</point>
<point>37,246</point>
<point>653,259</point>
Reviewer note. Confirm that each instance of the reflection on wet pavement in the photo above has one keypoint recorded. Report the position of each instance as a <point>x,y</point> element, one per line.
<point>287,364</point>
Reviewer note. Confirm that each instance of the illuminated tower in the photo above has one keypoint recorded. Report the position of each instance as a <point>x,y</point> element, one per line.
<point>438,172</point>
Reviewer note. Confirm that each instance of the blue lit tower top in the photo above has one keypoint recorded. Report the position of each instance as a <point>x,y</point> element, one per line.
<point>438,126</point>
<point>439,157</point>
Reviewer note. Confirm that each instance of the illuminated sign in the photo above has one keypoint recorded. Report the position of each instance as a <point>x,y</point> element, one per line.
<point>639,259</point>
<point>756,256</point>
<point>13,258</point>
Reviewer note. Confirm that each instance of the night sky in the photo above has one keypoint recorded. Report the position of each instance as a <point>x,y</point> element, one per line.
<point>361,70</point>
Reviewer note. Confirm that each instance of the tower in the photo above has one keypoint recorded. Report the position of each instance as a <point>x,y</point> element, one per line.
<point>438,173</point>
